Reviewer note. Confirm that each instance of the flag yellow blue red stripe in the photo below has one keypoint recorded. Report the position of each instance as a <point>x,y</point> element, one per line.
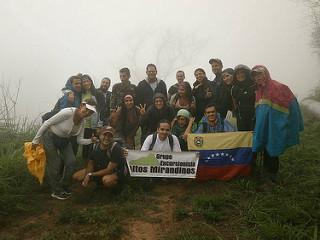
<point>223,156</point>
<point>225,140</point>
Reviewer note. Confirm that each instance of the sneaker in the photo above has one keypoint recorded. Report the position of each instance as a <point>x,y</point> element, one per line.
<point>60,196</point>
<point>67,192</point>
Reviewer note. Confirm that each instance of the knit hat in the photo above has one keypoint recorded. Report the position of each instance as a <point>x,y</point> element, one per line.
<point>184,113</point>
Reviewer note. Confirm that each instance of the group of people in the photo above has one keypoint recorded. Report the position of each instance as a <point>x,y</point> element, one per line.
<point>165,115</point>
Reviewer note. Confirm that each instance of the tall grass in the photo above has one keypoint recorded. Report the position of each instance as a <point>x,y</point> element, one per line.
<point>16,184</point>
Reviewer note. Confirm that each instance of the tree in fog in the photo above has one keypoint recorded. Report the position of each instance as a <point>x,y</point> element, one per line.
<point>170,50</point>
<point>315,10</point>
<point>314,6</point>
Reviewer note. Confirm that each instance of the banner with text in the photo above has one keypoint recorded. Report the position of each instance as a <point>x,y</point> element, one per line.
<point>162,164</point>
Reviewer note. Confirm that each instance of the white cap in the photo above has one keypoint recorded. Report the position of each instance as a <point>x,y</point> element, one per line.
<point>90,107</point>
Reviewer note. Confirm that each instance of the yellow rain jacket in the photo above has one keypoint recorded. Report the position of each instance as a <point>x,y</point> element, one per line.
<point>36,160</point>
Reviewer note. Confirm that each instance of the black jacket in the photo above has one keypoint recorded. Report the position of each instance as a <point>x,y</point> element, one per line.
<point>199,93</point>
<point>145,93</point>
<point>104,108</point>
<point>224,99</point>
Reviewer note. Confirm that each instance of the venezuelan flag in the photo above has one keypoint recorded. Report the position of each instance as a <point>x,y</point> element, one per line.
<point>223,156</point>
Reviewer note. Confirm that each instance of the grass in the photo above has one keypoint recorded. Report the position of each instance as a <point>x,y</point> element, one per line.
<point>244,208</point>
<point>16,185</point>
<point>251,208</point>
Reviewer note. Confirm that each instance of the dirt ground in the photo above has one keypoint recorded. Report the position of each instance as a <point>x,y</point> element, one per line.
<point>156,224</point>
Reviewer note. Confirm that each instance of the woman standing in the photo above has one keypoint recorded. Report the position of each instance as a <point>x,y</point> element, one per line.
<point>243,94</point>
<point>224,100</point>
<point>89,92</point>
<point>55,134</point>
<point>278,120</point>
<point>126,121</point>
<point>183,99</point>
<point>203,92</point>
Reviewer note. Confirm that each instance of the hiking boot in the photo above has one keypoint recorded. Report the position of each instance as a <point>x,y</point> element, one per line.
<point>60,196</point>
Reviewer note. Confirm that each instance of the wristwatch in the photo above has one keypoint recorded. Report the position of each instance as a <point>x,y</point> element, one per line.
<point>90,175</point>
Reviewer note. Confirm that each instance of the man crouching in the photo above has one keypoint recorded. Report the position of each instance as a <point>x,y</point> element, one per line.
<point>106,164</point>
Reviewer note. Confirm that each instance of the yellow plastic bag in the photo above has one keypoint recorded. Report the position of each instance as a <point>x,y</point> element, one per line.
<point>36,160</point>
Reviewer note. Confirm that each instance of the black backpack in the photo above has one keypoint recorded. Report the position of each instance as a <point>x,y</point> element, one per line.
<point>154,138</point>
<point>48,115</point>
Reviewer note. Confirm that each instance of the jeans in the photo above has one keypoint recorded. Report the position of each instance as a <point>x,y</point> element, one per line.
<point>57,159</point>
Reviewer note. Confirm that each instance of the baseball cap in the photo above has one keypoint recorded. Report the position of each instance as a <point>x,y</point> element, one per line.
<point>106,129</point>
<point>90,107</point>
<point>217,60</point>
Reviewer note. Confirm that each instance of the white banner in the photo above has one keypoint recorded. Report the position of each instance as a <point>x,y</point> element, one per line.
<point>163,164</point>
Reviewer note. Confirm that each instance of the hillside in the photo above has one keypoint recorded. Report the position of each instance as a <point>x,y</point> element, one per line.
<point>244,208</point>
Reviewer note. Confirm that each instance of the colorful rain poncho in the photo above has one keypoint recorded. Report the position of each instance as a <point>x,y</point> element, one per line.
<point>278,117</point>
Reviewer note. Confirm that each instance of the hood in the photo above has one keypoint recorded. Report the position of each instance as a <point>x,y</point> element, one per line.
<point>261,68</point>
<point>248,81</point>
<point>159,95</point>
<point>68,85</point>
<point>228,70</point>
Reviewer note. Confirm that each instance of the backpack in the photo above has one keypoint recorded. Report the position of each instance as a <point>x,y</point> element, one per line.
<point>48,115</point>
<point>154,138</point>
<point>95,146</point>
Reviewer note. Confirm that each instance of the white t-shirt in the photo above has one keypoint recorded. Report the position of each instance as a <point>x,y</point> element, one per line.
<point>161,146</point>
<point>62,125</point>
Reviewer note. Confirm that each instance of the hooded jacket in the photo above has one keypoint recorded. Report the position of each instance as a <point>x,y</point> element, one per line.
<point>243,94</point>
<point>153,115</point>
<point>278,117</point>
<point>145,93</point>
<point>63,102</point>
<point>224,100</point>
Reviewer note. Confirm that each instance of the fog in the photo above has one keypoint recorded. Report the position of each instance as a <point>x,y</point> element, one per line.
<point>44,42</point>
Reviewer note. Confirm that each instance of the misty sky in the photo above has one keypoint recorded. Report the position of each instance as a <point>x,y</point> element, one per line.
<point>44,42</point>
